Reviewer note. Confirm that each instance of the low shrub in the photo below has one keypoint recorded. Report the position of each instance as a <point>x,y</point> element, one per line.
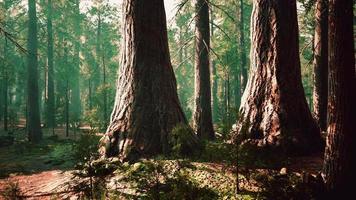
<point>184,141</point>
<point>86,146</point>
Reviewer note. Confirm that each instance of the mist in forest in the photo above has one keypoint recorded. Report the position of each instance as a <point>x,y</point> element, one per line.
<point>177,99</point>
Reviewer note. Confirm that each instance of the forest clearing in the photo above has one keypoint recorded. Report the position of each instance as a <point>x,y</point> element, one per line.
<point>177,99</point>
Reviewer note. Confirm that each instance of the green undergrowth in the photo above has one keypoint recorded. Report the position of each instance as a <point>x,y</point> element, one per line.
<point>52,153</point>
<point>160,179</point>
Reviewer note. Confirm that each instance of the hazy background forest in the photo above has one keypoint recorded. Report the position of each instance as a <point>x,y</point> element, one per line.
<point>73,88</point>
<point>86,79</point>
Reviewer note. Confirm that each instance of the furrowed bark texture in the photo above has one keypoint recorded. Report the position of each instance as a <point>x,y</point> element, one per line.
<point>339,160</point>
<point>146,106</point>
<point>274,111</point>
<point>202,115</point>
<point>320,90</point>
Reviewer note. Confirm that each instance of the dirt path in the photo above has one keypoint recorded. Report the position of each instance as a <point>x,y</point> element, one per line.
<point>42,185</point>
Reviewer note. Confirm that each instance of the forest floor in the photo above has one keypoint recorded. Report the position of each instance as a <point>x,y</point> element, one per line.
<point>46,171</point>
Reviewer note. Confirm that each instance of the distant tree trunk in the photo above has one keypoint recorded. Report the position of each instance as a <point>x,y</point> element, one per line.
<point>320,90</point>
<point>66,110</point>
<point>1,92</point>
<point>339,161</point>
<point>67,107</point>
<point>202,115</point>
<point>33,123</point>
<point>243,67</point>
<point>75,103</point>
<point>90,93</point>
<point>105,91</point>
<point>274,110</point>
<point>146,105</point>
<point>96,73</point>
<point>214,98</point>
<point>50,115</point>
<point>6,89</point>
<point>228,99</point>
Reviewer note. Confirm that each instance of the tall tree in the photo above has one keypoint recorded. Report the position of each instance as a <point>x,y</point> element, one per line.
<point>50,102</point>
<point>339,161</point>
<point>75,102</point>
<point>33,116</point>
<point>320,90</point>
<point>146,106</point>
<point>274,111</point>
<point>243,67</point>
<point>202,114</point>
<point>214,75</point>
<point>5,89</point>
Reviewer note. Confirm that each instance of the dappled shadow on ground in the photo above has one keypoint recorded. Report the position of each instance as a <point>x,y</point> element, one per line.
<point>45,170</point>
<point>25,158</point>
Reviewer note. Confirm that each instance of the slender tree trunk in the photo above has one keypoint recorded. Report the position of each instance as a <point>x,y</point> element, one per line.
<point>339,161</point>
<point>67,107</point>
<point>96,74</point>
<point>75,103</point>
<point>6,89</point>
<point>228,100</point>
<point>1,92</point>
<point>33,120</point>
<point>214,99</point>
<point>320,90</point>
<point>274,110</point>
<point>146,105</point>
<point>202,114</point>
<point>66,111</point>
<point>50,115</point>
<point>106,118</point>
<point>90,93</point>
<point>243,67</point>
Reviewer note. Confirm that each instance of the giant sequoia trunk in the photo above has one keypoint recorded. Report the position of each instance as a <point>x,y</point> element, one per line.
<point>339,161</point>
<point>146,105</point>
<point>274,111</point>
<point>202,114</point>
<point>33,117</point>
<point>320,90</point>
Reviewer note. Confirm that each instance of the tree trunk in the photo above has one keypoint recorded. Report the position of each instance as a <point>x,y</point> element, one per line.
<point>274,111</point>
<point>214,91</point>
<point>105,91</point>
<point>33,123</point>
<point>66,110</point>
<point>339,160</point>
<point>75,103</point>
<point>243,67</point>
<point>320,90</point>
<point>90,93</point>
<point>6,89</point>
<point>202,115</point>
<point>50,116</point>
<point>1,92</point>
<point>146,105</point>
